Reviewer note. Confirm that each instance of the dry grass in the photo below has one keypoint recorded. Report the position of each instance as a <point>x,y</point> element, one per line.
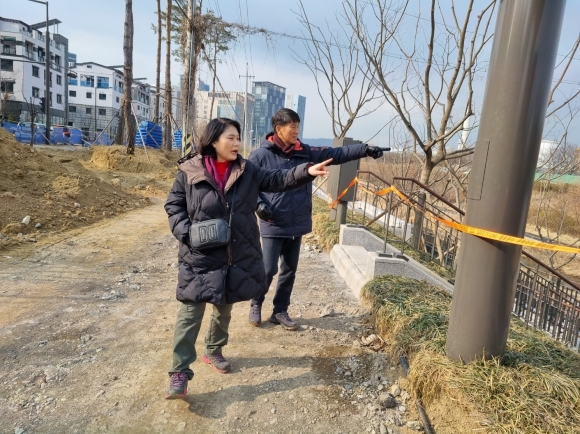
<point>535,388</point>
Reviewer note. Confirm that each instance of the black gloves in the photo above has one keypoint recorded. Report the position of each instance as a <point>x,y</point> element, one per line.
<point>374,152</point>
<point>264,212</point>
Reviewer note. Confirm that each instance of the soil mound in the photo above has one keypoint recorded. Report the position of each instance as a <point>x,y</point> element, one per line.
<point>115,158</point>
<point>42,193</point>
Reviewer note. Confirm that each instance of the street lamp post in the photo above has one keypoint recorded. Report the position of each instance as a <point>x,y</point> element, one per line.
<point>47,67</point>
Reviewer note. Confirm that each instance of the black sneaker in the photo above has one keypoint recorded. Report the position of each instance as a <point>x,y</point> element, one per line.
<point>177,386</point>
<point>284,320</point>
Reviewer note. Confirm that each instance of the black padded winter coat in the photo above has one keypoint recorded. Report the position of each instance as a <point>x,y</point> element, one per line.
<point>236,272</point>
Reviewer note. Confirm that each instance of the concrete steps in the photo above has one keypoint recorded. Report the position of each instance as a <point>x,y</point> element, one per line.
<point>359,257</point>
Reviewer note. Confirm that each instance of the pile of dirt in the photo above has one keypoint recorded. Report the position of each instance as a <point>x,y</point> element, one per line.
<point>154,162</point>
<point>43,192</point>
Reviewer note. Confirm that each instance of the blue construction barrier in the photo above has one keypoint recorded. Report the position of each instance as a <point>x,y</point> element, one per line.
<point>103,140</point>
<point>23,134</point>
<point>76,137</point>
<point>10,126</point>
<point>177,137</point>
<point>149,134</point>
<point>57,136</point>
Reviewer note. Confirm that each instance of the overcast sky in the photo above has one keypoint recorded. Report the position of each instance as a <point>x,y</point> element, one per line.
<point>95,33</point>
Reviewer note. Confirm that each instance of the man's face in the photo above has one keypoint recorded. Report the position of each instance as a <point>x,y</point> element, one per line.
<point>289,133</point>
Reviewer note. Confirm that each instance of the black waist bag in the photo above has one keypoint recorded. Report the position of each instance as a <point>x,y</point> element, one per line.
<point>209,233</point>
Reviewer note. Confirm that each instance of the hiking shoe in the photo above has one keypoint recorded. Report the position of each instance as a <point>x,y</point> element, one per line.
<point>255,316</point>
<point>177,386</point>
<point>284,320</point>
<point>217,361</point>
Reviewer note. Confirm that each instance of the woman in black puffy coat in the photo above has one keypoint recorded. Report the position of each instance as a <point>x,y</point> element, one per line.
<point>219,183</point>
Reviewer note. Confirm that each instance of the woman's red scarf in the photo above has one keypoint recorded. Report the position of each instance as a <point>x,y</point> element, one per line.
<point>220,172</point>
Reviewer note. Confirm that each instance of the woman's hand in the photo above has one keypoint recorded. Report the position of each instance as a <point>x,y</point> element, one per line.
<point>319,169</point>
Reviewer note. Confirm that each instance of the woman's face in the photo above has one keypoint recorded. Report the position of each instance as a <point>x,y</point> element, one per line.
<point>228,144</point>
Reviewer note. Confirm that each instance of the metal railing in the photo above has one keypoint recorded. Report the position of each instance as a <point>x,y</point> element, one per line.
<point>545,299</point>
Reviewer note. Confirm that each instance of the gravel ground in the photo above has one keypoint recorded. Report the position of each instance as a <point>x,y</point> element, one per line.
<point>86,326</point>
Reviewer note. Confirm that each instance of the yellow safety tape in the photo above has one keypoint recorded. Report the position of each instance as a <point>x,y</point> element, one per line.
<point>483,233</point>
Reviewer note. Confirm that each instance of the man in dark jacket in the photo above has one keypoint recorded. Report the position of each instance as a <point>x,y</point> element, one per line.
<point>285,217</point>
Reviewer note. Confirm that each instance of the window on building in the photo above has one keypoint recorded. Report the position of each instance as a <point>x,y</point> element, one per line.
<point>35,71</point>
<point>117,99</point>
<point>7,87</point>
<point>72,109</point>
<point>7,65</point>
<point>35,92</point>
<point>103,82</point>
<point>72,93</point>
<point>102,112</point>
<point>59,79</point>
<point>70,124</point>
<point>58,99</point>
<point>90,95</point>
<point>87,80</point>
<point>89,66</point>
<point>102,96</point>
<point>88,110</point>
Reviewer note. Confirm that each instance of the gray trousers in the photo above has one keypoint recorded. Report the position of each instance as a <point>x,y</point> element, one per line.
<point>187,328</point>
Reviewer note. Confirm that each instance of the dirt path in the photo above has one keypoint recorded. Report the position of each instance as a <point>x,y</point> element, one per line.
<point>86,326</point>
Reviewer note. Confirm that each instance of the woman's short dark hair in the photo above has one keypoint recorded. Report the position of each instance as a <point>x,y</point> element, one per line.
<point>284,117</point>
<point>212,132</point>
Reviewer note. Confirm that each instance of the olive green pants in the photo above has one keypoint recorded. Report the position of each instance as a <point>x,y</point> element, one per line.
<point>187,328</point>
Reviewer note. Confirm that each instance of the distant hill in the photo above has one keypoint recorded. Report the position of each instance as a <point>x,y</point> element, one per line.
<point>318,142</point>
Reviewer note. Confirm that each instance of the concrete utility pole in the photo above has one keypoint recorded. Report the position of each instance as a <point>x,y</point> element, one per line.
<point>500,186</point>
<point>47,67</point>
<point>245,135</point>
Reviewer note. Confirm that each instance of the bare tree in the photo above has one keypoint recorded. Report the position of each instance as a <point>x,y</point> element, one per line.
<point>127,126</point>
<point>32,108</point>
<point>158,70</point>
<point>167,139</point>
<point>429,81</point>
<point>342,75</point>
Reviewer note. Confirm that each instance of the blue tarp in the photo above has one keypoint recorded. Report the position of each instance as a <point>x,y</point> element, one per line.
<point>76,137</point>
<point>149,134</point>
<point>23,133</point>
<point>10,127</point>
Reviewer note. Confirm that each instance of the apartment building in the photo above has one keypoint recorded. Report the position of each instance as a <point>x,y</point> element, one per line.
<point>94,98</point>
<point>22,71</point>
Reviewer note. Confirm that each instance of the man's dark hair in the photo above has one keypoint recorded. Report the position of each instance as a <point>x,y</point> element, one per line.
<point>284,117</point>
<point>212,132</point>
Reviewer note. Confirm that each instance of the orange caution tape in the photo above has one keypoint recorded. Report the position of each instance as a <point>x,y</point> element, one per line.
<point>483,233</point>
<point>341,195</point>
